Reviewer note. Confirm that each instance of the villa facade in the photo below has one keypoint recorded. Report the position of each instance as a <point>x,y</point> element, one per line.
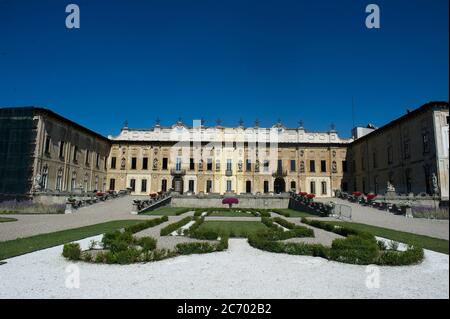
<point>41,151</point>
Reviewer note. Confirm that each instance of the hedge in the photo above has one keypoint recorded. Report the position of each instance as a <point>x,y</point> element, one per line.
<point>72,251</point>
<point>141,226</point>
<point>174,226</point>
<point>357,248</point>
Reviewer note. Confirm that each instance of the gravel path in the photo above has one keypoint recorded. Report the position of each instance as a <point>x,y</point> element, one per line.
<point>240,272</point>
<point>29,225</point>
<point>376,217</point>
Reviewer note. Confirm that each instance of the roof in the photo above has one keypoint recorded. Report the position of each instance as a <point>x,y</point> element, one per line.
<point>433,105</point>
<point>50,113</point>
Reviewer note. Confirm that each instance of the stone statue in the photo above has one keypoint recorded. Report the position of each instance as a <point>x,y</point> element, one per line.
<point>302,166</point>
<point>334,167</point>
<point>155,164</point>
<point>122,163</point>
<point>240,166</point>
<point>434,184</point>
<point>390,187</point>
<point>257,166</point>
<point>37,182</point>
<point>200,165</point>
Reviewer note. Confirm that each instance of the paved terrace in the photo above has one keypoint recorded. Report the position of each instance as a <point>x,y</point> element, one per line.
<point>372,216</point>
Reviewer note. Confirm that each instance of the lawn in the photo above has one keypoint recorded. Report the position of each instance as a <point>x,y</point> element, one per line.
<point>435,244</point>
<point>5,220</point>
<point>167,211</point>
<point>233,228</point>
<point>231,213</point>
<point>296,213</point>
<point>25,245</point>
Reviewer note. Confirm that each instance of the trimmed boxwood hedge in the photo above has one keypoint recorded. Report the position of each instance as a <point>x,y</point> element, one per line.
<point>357,248</point>
<point>174,226</point>
<point>150,223</point>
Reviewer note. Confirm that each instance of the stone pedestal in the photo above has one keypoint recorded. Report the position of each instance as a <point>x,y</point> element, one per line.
<point>69,208</point>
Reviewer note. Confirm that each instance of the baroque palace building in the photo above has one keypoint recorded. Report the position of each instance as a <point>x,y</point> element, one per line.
<point>41,151</point>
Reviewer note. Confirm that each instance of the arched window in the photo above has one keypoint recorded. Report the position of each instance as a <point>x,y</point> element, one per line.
<point>58,183</point>
<point>73,182</point>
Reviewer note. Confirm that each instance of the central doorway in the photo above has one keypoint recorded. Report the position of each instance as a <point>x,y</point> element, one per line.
<point>248,186</point>
<point>177,185</point>
<point>279,185</point>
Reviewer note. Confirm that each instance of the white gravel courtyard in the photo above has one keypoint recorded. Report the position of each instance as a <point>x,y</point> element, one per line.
<point>239,272</point>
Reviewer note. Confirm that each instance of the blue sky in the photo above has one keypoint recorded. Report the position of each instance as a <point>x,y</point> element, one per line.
<point>293,60</point>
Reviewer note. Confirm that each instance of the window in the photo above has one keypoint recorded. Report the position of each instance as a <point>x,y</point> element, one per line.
<point>312,166</point>
<point>96,183</point>
<point>374,158</point>
<point>113,162</point>
<point>97,161</point>
<point>86,160</point>
<point>209,186</point>
<point>73,181</point>
<point>133,162</point>
<point>390,155</point>
<point>229,186</point>
<point>164,185</point>
<point>75,154</point>
<point>229,165</point>
<point>323,166</point>
<point>59,179</point>
<point>143,186</point>
<point>344,166</point>
<point>145,163</point>
<point>191,185</point>
<point>280,165</point>
<point>132,184</point>
<point>112,184</point>
<point>266,166</point>
<point>312,187</point>
<point>248,165</point>
<point>45,177</point>
<point>363,163</point>
<point>324,188</point>
<point>61,150</point>
<point>209,164</point>
<point>406,150</point>
<point>293,166</point>
<point>293,185</point>
<point>178,164</point>
<point>266,186</point>
<point>164,163</point>
<point>248,187</point>
<point>425,142</point>
<point>47,145</point>
<point>217,165</point>
<point>191,164</point>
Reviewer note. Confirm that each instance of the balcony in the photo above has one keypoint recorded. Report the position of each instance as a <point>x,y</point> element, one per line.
<point>228,172</point>
<point>279,173</point>
<point>177,171</point>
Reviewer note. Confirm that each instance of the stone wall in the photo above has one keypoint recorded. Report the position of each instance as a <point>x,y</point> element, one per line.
<point>247,201</point>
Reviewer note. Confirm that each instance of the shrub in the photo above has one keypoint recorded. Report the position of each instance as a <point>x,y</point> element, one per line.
<point>354,250</point>
<point>100,257</point>
<point>174,226</point>
<point>284,222</point>
<point>412,255</point>
<point>150,223</point>
<point>86,256</point>
<point>204,234</point>
<point>280,212</point>
<point>72,251</point>
<point>223,244</point>
<point>147,243</point>
<point>126,256</point>
<point>194,248</point>
<point>381,245</point>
